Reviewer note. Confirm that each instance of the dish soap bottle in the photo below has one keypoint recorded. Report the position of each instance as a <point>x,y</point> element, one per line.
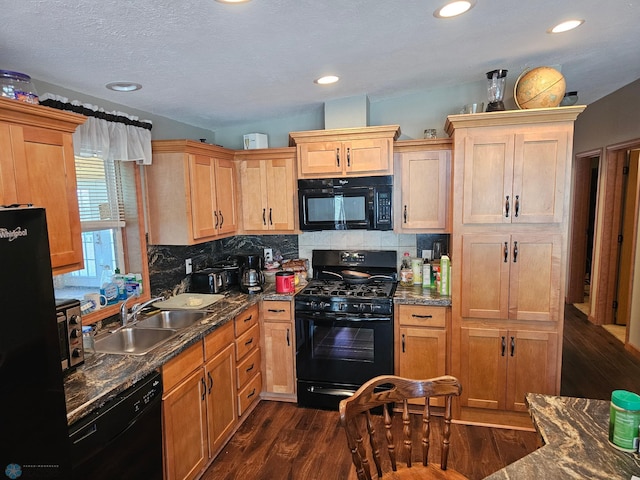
<point>406,274</point>
<point>108,288</point>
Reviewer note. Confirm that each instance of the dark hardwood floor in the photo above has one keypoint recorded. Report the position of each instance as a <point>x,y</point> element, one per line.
<point>280,441</point>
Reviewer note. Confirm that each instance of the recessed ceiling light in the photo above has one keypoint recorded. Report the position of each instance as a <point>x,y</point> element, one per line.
<point>453,9</point>
<point>327,80</point>
<point>123,86</point>
<point>566,26</point>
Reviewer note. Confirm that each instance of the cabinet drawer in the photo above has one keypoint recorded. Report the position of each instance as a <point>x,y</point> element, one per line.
<point>179,367</point>
<point>218,340</point>
<point>248,341</point>
<point>248,367</point>
<point>249,394</point>
<point>421,316</point>
<point>246,319</point>
<point>276,310</point>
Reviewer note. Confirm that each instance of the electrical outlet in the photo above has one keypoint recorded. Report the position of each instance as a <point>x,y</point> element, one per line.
<point>268,255</point>
<point>187,266</point>
<point>427,254</point>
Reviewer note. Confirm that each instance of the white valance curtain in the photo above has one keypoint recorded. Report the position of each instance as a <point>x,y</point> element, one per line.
<point>100,137</point>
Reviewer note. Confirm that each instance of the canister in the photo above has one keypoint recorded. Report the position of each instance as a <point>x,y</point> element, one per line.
<point>285,282</point>
<point>624,420</point>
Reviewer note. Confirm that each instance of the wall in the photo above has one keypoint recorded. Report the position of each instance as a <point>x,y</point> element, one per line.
<point>612,120</point>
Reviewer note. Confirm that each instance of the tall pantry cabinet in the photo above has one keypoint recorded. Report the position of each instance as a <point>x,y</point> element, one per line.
<point>511,200</point>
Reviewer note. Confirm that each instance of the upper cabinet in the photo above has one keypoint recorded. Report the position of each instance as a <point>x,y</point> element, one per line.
<point>422,180</point>
<point>191,193</point>
<point>268,190</point>
<point>515,166</point>
<point>345,152</point>
<point>37,166</point>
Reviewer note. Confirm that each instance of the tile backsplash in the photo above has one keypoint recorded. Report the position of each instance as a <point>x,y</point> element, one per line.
<point>167,263</point>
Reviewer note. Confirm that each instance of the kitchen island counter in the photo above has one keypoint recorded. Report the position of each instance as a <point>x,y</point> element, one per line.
<point>575,434</point>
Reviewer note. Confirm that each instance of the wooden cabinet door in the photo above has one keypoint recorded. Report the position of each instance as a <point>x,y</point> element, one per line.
<point>532,366</point>
<point>424,189</point>
<point>225,178</point>
<point>423,352</point>
<point>279,357</point>
<point>203,196</point>
<point>321,158</point>
<point>534,279</point>
<point>8,194</point>
<point>220,374</point>
<point>367,156</point>
<point>185,428</point>
<point>485,276</point>
<point>483,367</point>
<point>254,195</point>
<point>282,201</point>
<point>45,176</point>
<point>539,174</point>
<point>488,178</point>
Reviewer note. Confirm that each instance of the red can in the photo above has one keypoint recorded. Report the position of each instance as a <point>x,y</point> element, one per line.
<point>285,282</point>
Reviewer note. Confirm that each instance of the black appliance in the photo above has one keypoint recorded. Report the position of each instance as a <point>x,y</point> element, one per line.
<point>344,324</point>
<point>250,276</point>
<point>209,280</point>
<point>33,418</point>
<point>70,333</point>
<point>123,438</point>
<point>346,203</point>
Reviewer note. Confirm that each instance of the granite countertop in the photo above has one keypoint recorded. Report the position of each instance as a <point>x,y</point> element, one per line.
<point>575,432</point>
<point>103,376</point>
<point>416,295</point>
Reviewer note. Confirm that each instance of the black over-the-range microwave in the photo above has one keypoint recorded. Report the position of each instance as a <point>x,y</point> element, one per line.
<point>346,203</point>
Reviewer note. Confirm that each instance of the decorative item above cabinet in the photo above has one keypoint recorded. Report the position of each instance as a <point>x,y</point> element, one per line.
<point>345,152</point>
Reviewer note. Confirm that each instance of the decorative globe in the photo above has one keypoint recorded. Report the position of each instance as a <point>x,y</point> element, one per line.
<point>542,87</point>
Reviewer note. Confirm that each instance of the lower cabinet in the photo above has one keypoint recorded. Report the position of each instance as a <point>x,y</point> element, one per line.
<point>500,366</point>
<point>247,358</point>
<point>199,404</point>
<point>421,345</point>
<point>278,350</point>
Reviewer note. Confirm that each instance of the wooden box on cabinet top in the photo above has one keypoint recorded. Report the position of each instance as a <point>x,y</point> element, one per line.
<point>345,152</point>
<point>37,166</point>
<point>191,193</point>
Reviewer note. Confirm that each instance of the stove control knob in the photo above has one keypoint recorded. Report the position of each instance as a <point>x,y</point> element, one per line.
<point>342,306</point>
<point>74,320</point>
<point>324,305</point>
<point>362,307</point>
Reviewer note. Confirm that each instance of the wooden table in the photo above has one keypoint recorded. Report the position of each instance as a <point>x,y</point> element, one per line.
<point>575,432</point>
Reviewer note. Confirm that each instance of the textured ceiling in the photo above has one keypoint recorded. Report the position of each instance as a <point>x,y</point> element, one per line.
<point>209,64</point>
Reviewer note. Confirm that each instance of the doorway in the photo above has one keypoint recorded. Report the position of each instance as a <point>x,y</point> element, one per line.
<point>603,235</point>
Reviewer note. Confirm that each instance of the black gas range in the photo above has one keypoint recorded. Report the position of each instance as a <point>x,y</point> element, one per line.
<point>344,324</point>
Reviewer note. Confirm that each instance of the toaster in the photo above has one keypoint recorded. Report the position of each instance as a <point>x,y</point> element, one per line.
<point>210,280</point>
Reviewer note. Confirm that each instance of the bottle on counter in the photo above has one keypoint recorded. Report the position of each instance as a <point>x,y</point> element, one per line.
<point>107,286</point>
<point>445,271</point>
<point>416,268</point>
<point>426,274</point>
<point>406,274</point>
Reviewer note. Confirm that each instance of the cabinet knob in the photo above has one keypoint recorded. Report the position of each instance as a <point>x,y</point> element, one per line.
<point>506,207</point>
<point>338,156</point>
<point>348,157</point>
<point>288,340</point>
<point>515,252</point>
<point>405,214</point>
<point>221,218</point>
<point>215,213</point>
<point>403,343</point>
<point>264,216</point>
<point>506,252</point>
<point>517,206</point>
<point>504,346</point>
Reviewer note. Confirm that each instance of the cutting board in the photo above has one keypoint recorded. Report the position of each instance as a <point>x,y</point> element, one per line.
<point>181,301</point>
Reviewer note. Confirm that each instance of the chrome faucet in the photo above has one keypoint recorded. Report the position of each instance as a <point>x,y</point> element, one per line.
<point>127,316</point>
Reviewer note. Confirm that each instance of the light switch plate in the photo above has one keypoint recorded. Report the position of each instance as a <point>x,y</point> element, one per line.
<point>268,255</point>
<point>187,266</point>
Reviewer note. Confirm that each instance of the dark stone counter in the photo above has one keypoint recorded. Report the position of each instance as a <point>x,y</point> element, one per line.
<point>418,296</point>
<point>575,432</point>
<point>103,376</point>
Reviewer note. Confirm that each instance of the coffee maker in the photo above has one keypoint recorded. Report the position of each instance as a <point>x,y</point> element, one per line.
<point>250,275</point>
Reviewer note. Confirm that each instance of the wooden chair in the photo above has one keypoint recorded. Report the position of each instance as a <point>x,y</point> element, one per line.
<point>371,395</point>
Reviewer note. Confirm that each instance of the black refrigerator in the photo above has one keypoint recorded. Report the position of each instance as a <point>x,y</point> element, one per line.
<point>34,438</point>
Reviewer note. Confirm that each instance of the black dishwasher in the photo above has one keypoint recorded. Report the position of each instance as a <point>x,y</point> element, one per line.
<point>123,438</point>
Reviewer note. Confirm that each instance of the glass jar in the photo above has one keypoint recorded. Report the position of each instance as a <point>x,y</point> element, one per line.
<point>18,86</point>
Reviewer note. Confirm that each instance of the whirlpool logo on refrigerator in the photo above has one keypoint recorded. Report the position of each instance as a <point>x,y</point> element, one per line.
<point>11,235</point>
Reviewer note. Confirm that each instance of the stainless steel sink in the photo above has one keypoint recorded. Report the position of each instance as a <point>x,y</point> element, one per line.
<point>175,319</point>
<point>133,341</point>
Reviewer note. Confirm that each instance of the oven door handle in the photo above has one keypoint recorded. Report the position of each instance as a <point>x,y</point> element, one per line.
<point>324,318</point>
<point>337,392</point>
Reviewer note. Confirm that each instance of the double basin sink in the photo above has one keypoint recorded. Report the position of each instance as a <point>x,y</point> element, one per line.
<point>149,332</point>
